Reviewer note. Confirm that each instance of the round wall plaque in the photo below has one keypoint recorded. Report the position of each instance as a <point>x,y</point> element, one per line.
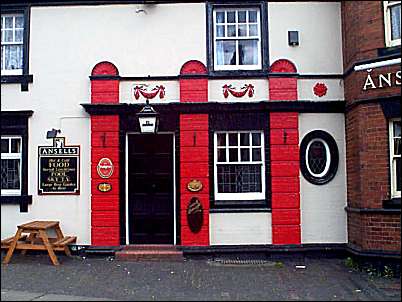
<point>105,167</point>
<point>195,215</point>
<point>194,185</point>
<point>104,187</point>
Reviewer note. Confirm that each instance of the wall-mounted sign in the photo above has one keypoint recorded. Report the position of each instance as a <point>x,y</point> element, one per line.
<point>195,215</point>
<point>382,80</point>
<point>59,168</point>
<point>104,187</point>
<point>105,167</point>
<point>194,185</point>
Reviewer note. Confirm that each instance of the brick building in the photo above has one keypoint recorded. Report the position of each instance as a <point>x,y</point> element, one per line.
<point>371,48</point>
<point>206,125</point>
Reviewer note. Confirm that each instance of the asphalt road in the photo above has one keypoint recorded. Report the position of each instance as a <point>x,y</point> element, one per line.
<point>32,277</point>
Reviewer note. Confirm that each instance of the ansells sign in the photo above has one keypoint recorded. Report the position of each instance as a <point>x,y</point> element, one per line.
<point>59,168</point>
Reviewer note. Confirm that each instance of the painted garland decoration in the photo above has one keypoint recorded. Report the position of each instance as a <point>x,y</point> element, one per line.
<point>320,89</point>
<point>247,88</point>
<point>149,95</point>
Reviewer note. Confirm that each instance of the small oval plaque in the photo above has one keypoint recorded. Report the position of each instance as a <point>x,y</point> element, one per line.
<point>194,185</point>
<point>104,187</point>
<point>105,167</point>
<point>195,215</point>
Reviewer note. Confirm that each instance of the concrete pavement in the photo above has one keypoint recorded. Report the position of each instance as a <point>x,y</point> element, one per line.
<point>33,278</point>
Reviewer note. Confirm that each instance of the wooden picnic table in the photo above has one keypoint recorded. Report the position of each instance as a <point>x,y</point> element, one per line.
<point>38,239</point>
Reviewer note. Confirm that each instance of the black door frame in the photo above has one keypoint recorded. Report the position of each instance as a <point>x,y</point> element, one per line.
<point>175,204</point>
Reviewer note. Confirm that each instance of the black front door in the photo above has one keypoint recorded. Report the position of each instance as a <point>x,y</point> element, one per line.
<point>150,189</point>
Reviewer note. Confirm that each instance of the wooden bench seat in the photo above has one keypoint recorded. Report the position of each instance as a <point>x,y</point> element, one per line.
<point>65,240</point>
<point>5,243</point>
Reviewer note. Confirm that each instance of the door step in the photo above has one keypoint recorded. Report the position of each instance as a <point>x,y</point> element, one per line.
<point>149,252</point>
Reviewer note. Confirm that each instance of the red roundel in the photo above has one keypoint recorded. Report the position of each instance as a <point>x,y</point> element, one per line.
<point>105,167</point>
<point>320,89</point>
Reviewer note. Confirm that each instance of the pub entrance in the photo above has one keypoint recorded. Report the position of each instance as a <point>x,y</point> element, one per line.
<point>150,188</point>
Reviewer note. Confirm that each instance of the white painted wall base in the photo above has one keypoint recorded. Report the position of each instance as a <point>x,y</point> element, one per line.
<point>323,215</point>
<point>240,228</point>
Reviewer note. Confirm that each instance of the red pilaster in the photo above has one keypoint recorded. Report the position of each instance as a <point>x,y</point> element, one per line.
<point>284,139</point>
<point>105,221</point>
<point>194,150</point>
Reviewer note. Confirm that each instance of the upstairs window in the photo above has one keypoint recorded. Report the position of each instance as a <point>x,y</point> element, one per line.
<point>237,39</point>
<point>392,18</point>
<point>12,44</point>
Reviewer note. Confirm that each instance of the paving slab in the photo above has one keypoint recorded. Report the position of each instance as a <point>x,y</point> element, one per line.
<point>13,295</point>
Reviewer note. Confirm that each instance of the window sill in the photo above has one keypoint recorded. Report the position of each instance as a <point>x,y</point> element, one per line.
<point>22,200</point>
<point>393,203</point>
<point>247,205</point>
<point>240,210</point>
<point>23,79</point>
<point>394,51</point>
<point>238,73</point>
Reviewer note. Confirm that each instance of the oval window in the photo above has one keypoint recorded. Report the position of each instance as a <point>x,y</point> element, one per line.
<point>319,157</point>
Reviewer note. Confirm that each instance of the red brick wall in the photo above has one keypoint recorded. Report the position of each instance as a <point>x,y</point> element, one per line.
<point>367,154</point>
<point>105,219</point>
<point>367,146</point>
<point>194,144</point>
<point>285,184</point>
<point>374,231</point>
<point>363,30</point>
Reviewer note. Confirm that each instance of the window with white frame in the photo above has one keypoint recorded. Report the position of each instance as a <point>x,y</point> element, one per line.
<point>237,38</point>
<point>11,157</point>
<point>12,44</point>
<point>395,157</point>
<point>392,19</point>
<point>239,165</point>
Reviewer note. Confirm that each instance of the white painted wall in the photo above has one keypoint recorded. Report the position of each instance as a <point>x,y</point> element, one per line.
<point>335,92</point>
<point>240,228</point>
<point>65,44</point>
<point>320,36</point>
<point>172,92</point>
<point>215,90</point>
<point>323,217</point>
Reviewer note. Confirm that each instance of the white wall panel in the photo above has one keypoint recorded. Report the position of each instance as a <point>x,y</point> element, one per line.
<point>172,91</point>
<point>215,90</point>
<point>335,90</point>
<point>320,36</point>
<point>323,215</point>
<point>240,228</point>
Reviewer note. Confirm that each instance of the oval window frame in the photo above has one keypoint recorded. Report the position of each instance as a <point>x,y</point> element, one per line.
<point>332,157</point>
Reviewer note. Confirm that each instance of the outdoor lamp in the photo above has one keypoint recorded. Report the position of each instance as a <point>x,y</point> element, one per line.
<point>148,119</point>
<point>52,133</point>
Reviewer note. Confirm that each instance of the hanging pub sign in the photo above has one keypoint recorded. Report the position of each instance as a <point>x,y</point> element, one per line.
<point>59,168</point>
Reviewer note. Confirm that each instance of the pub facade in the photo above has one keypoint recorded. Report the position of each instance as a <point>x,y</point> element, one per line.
<point>198,124</point>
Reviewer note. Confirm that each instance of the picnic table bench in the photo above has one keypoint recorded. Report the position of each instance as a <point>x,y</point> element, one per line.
<point>38,239</point>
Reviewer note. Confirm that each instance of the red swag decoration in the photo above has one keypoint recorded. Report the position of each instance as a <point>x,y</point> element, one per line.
<point>149,95</point>
<point>246,88</point>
